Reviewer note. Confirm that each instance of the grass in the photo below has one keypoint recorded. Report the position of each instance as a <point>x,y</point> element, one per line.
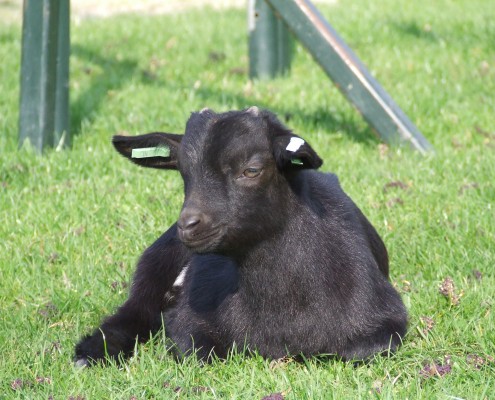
<point>74,222</point>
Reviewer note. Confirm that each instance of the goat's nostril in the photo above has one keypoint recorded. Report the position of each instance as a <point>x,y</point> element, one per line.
<point>190,222</point>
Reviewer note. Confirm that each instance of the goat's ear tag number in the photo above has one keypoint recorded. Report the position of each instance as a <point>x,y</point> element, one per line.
<point>148,152</point>
<point>294,144</point>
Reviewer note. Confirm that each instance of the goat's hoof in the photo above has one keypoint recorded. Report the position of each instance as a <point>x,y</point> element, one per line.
<point>81,363</point>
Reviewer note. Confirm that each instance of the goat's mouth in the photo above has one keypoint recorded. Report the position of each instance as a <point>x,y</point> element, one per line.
<point>203,242</point>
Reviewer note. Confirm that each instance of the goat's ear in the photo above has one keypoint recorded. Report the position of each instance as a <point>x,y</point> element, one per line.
<point>153,150</point>
<point>292,152</point>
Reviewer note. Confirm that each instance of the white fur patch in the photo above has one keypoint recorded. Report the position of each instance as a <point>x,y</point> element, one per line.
<point>180,279</point>
<point>294,144</point>
<point>204,110</point>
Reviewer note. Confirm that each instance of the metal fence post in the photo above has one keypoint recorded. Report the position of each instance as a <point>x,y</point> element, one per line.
<point>62,113</point>
<point>270,44</point>
<point>44,89</point>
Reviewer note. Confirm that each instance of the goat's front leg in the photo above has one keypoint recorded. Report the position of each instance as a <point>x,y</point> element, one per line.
<point>140,315</point>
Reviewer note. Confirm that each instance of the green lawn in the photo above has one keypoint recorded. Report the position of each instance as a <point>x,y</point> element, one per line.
<point>73,223</point>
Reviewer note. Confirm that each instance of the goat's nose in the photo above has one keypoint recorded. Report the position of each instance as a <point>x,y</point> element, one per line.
<point>189,221</point>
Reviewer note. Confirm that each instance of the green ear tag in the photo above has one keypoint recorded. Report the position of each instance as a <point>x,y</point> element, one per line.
<point>148,152</point>
<point>296,161</point>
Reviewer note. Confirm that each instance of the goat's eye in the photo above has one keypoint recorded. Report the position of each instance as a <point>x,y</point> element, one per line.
<point>251,172</point>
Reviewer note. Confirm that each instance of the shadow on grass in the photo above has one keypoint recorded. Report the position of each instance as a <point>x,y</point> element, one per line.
<point>315,119</point>
<point>465,33</point>
<point>116,73</point>
<point>413,28</point>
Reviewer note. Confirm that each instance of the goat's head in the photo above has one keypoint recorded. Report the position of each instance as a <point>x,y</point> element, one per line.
<point>235,167</point>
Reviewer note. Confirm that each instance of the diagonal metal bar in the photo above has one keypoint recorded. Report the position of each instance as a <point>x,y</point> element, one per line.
<point>348,73</point>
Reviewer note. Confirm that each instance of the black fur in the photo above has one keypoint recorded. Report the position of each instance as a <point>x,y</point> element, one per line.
<point>279,259</point>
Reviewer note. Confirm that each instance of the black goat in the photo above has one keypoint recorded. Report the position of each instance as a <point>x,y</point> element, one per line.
<point>268,254</point>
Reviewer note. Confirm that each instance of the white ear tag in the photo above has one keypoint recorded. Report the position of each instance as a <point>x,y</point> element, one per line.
<point>294,144</point>
<point>148,152</point>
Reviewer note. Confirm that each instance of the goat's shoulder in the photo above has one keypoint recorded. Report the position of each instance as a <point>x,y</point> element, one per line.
<point>321,193</point>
